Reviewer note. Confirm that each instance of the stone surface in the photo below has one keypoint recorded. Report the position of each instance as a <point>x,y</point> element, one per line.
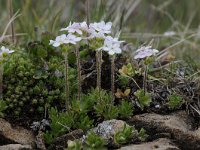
<point>160,144</point>
<point>15,147</point>
<point>107,129</point>
<point>61,142</point>
<point>39,140</point>
<point>14,135</point>
<point>177,125</point>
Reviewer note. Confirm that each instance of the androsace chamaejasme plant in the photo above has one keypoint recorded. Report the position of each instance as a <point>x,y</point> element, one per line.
<point>145,55</point>
<point>95,33</point>
<point>80,30</point>
<point>4,52</point>
<point>66,43</point>
<point>112,46</point>
<point>98,33</point>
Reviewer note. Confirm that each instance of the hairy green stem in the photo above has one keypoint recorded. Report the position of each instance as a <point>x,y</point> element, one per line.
<point>145,79</point>
<point>113,78</point>
<point>98,67</point>
<point>79,72</point>
<point>1,81</point>
<point>67,103</point>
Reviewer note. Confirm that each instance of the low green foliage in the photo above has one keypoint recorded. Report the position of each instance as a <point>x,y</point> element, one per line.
<point>3,107</point>
<point>60,124</point>
<point>82,121</point>
<point>124,136</point>
<point>104,107</point>
<point>127,70</point>
<point>144,98</point>
<point>142,134</point>
<point>125,109</point>
<point>123,80</point>
<point>94,141</point>
<point>175,101</point>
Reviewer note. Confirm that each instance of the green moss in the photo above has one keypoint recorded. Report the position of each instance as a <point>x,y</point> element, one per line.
<point>30,85</point>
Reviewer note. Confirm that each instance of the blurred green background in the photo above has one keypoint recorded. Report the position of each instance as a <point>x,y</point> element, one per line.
<point>139,21</point>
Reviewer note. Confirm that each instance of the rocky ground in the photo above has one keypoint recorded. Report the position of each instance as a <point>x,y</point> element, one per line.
<point>166,132</point>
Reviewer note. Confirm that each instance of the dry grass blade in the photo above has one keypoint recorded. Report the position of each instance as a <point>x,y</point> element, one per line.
<point>9,23</point>
<point>164,52</point>
<point>131,8</point>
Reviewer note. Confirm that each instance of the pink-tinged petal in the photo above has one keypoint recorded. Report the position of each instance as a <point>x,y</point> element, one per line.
<point>111,52</point>
<point>3,48</point>
<point>155,51</point>
<point>79,32</point>
<point>56,44</point>
<point>106,48</point>
<point>64,29</point>
<point>51,42</point>
<point>73,42</point>
<point>11,51</point>
<point>78,39</point>
<point>118,50</point>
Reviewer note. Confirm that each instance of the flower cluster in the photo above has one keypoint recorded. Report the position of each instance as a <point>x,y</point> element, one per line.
<point>65,39</point>
<point>81,31</point>
<point>4,52</point>
<point>112,45</point>
<point>144,52</point>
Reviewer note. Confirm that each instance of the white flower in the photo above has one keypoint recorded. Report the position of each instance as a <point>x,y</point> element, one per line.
<point>63,39</point>
<point>76,27</point>
<point>145,51</point>
<point>102,27</point>
<point>94,34</point>
<point>112,45</point>
<point>72,39</point>
<point>4,52</point>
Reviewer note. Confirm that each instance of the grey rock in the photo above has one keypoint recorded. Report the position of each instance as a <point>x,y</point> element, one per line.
<point>160,144</point>
<point>39,140</point>
<point>178,125</point>
<point>107,129</point>
<point>13,135</point>
<point>61,142</point>
<point>16,147</point>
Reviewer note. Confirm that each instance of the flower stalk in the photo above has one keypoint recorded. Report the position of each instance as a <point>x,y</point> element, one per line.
<point>79,72</point>
<point>145,78</point>
<point>67,102</point>
<point>98,65</point>
<point>1,81</point>
<point>146,54</point>
<point>113,77</point>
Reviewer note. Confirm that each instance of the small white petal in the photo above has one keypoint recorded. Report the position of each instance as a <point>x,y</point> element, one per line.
<point>56,44</point>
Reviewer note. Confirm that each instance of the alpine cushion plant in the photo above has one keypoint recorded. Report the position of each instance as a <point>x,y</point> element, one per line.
<point>112,46</point>
<point>4,52</point>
